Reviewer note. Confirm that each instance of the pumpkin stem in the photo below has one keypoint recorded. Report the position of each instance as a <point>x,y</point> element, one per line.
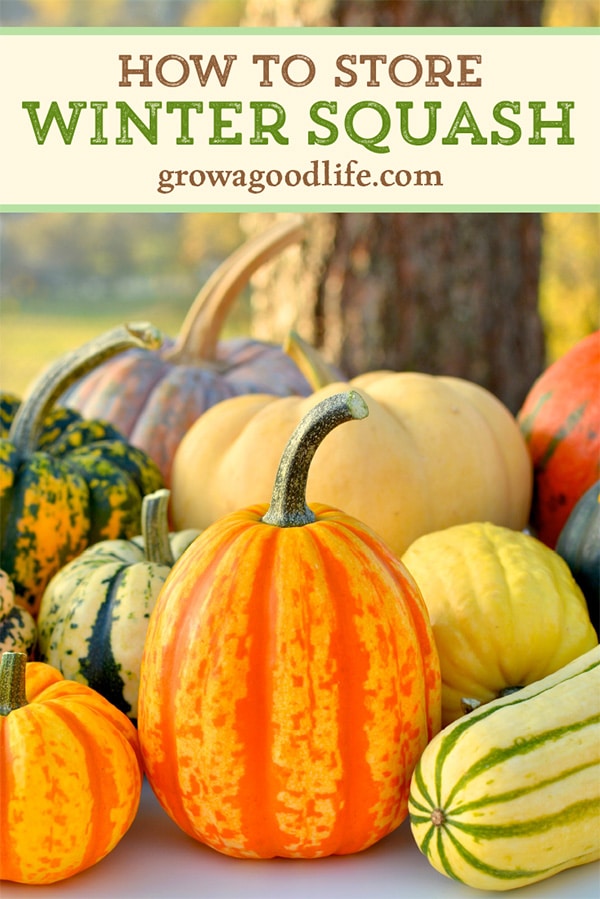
<point>53,382</point>
<point>199,334</point>
<point>288,503</point>
<point>12,681</point>
<point>508,691</point>
<point>155,528</point>
<point>315,369</point>
<point>438,818</point>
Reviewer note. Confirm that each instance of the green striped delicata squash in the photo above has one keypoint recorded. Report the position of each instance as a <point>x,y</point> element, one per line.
<point>66,482</point>
<point>509,795</point>
<point>94,612</point>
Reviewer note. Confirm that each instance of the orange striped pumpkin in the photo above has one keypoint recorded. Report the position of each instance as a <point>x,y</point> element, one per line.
<point>70,773</point>
<point>289,681</point>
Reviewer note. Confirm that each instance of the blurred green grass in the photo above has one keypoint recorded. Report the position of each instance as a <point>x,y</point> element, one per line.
<point>30,341</point>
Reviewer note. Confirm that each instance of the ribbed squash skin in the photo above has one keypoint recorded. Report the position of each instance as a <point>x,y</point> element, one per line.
<point>504,608</point>
<point>83,483</point>
<point>154,397</point>
<point>94,615</point>
<point>560,420</point>
<point>70,779</point>
<point>154,401</point>
<point>434,451</point>
<point>516,784</point>
<point>289,684</point>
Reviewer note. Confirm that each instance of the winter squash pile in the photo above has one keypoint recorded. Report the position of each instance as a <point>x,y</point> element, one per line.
<point>315,613</point>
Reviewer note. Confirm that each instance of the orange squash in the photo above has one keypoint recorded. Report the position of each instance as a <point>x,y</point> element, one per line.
<point>560,419</point>
<point>289,680</point>
<point>70,773</point>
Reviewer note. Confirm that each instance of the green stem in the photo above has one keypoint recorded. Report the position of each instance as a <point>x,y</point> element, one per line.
<point>155,528</point>
<point>288,503</point>
<point>52,383</point>
<point>12,681</point>
<point>315,369</point>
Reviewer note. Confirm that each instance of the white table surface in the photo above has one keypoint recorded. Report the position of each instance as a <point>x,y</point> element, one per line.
<point>156,859</point>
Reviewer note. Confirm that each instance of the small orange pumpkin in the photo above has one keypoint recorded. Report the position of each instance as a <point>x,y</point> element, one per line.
<point>70,773</point>
<point>289,680</point>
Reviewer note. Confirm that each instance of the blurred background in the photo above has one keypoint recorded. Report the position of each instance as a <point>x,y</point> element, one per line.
<point>492,297</point>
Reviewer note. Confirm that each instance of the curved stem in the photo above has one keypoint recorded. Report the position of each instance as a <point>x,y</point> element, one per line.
<point>53,382</point>
<point>199,334</point>
<point>155,528</point>
<point>315,369</point>
<point>288,503</point>
<point>13,666</point>
<point>469,704</point>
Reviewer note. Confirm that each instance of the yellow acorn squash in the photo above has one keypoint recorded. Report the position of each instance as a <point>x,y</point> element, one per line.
<point>504,608</point>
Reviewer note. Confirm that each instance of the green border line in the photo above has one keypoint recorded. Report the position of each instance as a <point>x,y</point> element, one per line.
<point>308,207</point>
<point>338,31</point>
<point>157,31</point>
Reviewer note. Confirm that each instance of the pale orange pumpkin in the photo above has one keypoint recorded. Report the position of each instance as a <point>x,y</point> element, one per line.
<point>289,680</point>
<point>434,452</point>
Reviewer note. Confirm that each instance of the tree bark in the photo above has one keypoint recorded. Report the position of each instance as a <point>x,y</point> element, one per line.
<point>444,293</point>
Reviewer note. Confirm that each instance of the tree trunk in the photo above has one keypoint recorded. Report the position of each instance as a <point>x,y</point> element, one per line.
<point>445,293</point>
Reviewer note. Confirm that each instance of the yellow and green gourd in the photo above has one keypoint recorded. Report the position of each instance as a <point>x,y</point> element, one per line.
<point>66,482</point>
<point>509,795</point>
<point>94,612</point>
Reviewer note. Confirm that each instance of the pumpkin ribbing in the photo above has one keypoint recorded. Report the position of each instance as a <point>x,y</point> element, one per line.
<point>579,545</point>
<point>154,397</point>
<point>432,453</point>
<point>70,775</point>
<point>303,683</point>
